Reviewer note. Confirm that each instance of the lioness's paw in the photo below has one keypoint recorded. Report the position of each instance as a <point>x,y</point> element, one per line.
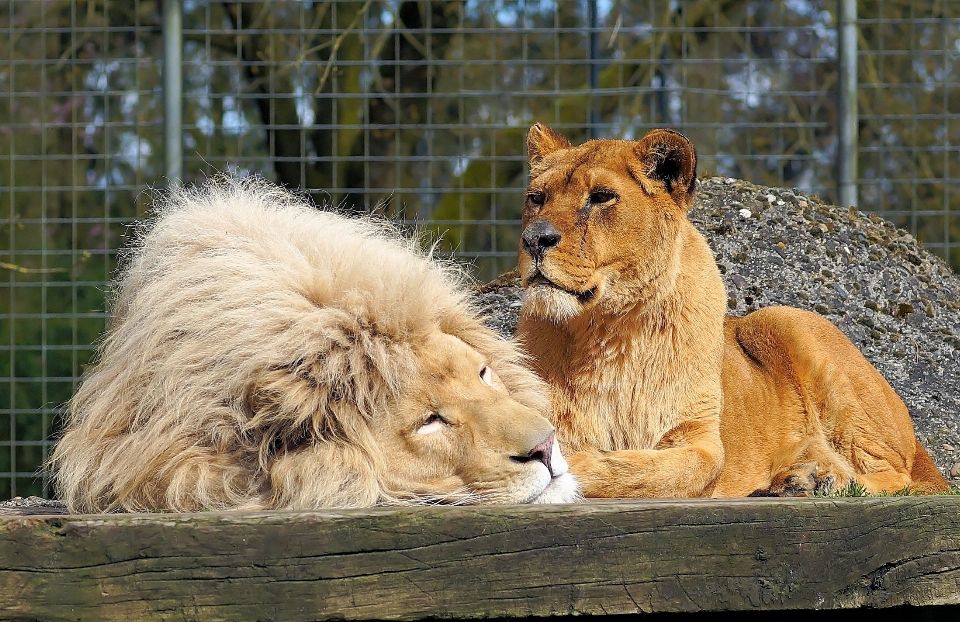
<point>581,461</point>
<point>825,485</point>
<point>801,480</point>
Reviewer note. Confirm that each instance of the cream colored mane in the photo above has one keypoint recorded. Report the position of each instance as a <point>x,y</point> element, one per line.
<point>245,321</point>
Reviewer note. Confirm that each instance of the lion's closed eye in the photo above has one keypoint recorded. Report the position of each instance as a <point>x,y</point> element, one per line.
<point>433,423</point>
<point>492,380</point>
<point>486,374</point>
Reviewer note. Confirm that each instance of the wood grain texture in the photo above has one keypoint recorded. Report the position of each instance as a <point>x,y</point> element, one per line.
<point>607,557</point>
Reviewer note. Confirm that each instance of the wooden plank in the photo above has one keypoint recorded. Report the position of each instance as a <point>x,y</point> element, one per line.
<point>470,562</point>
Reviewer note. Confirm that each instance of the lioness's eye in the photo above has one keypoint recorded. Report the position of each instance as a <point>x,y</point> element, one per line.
<point>602,196</point>
<point>536,197</point>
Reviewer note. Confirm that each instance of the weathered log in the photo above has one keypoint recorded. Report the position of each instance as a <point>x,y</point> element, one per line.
<point>473,562</point>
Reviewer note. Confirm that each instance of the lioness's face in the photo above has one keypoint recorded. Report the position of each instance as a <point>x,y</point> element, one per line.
<point>600,220</point>
<point>456,436</point>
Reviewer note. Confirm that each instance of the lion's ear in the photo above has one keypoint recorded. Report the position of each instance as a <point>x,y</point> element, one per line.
<point>669,157</point>
<point>542,141</point>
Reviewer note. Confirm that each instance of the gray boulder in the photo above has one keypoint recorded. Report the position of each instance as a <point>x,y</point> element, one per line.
<point>896,301</point>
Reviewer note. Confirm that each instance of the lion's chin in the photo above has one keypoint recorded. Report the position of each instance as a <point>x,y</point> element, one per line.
<point>561,489</point>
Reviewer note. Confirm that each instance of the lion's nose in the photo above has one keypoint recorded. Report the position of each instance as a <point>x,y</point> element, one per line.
<point>541,453</point>
<point>539,236</point>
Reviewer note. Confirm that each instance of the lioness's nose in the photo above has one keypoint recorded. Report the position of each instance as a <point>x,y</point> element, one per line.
<point>539,236</point>
<point>541,453</point>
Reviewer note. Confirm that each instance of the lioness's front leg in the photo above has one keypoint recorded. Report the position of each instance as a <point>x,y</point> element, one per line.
<point>688,468</point>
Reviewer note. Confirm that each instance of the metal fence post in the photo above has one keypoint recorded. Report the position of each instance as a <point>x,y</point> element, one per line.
<point>173,90</point>
<point>593,80</point>
<point>848,143</point>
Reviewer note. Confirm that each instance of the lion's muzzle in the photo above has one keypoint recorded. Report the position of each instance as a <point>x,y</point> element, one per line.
<point>542,453</point>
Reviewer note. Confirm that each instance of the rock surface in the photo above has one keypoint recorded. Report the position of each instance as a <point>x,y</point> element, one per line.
<point>30,506</point>
<point>895,300</point>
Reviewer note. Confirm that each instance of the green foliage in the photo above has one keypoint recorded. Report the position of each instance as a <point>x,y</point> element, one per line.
<point>855,489</point>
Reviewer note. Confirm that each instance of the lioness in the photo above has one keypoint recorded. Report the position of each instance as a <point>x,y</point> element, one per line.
<point>268,355</point>
<point>655,390</point>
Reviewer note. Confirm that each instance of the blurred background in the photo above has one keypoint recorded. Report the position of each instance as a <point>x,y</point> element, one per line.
<point>418,109</point>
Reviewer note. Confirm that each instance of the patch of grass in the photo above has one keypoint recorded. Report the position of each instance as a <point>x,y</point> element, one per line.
<point>855,489</point>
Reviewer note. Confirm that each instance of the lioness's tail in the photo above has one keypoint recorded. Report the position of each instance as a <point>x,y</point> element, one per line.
<point>925,475</point>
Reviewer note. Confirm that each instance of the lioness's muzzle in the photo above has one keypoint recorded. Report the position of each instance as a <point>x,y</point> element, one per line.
<point>538,236</point>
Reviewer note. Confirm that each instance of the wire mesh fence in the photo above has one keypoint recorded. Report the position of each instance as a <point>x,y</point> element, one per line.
<point>419,109</point>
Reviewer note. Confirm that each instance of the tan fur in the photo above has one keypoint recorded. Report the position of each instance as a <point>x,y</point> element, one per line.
<point>655,392</point>
<point>264,354</point>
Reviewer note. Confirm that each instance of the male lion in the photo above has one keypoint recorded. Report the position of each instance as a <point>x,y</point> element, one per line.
<point>656,391</point>
<point>265,354</point>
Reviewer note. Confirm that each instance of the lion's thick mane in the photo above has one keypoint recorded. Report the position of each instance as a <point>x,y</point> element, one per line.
<point>246,321</point>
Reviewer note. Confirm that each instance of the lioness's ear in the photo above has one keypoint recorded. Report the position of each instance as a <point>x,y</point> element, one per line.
<point>542,141</point>
<point>669,157</point>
